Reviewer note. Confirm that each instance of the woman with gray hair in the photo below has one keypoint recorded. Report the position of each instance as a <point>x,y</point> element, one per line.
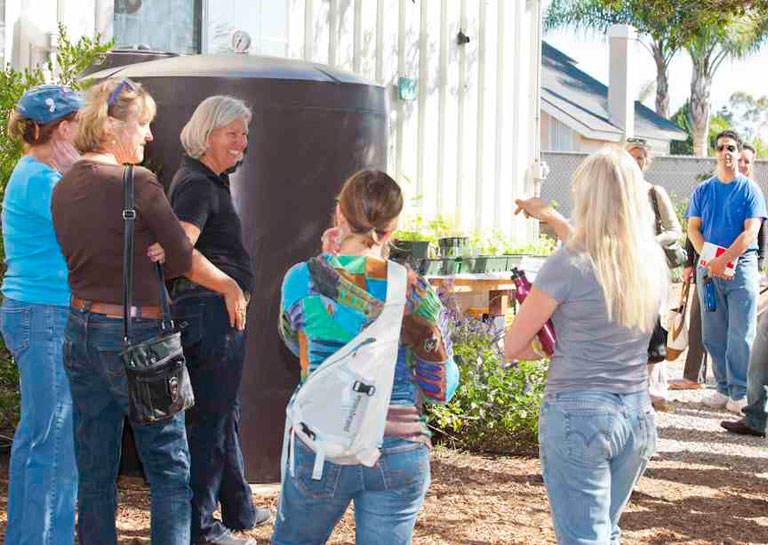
<point>214,140</point>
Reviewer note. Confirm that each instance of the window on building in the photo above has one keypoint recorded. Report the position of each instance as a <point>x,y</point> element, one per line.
<point>162,25</point>
<point>560,136</point>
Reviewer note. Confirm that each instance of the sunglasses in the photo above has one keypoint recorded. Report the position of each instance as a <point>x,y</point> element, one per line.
<point>730,147</point>
<point>125,84</point>
<point>636,141</point>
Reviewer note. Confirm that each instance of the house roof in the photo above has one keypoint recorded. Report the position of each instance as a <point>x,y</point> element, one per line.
<point>580,101</point>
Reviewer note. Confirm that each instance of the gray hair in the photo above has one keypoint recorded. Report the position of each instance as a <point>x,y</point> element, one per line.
<point>212,113</point>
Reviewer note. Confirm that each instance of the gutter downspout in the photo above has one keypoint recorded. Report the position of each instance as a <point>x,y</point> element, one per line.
<point>540,170</point>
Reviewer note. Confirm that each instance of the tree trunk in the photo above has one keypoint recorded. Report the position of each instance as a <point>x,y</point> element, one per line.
<point>662,81</point>
<point>701,85</point>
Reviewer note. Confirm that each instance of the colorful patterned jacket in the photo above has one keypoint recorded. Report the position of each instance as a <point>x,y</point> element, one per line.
<point>327,300</point>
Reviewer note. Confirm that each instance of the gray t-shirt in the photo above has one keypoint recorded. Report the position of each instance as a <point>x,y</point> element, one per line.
<point>591,353</point>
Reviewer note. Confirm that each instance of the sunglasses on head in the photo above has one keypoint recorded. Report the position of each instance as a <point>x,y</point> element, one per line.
<point>730,147</point>
<point>119,89</point>
<point>637,141</point>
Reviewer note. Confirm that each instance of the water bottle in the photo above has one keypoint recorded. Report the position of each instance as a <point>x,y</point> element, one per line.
<point>709,293</point>
<point>547,333</point>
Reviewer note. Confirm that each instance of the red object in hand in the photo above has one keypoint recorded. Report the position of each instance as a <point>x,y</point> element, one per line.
<point>547,332</point>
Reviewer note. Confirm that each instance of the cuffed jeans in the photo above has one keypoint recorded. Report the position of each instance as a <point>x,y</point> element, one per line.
<point>593,448</point>
<point>729,331</point>
<point>757,379</point>
<point>43,474</point>
<point>100,394</point>
<point>214,353</point>
<point>388,496</point>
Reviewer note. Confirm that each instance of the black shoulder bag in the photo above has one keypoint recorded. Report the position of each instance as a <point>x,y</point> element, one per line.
<point>158,382</point>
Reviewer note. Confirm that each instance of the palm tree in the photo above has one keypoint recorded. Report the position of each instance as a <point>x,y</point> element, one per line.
<point>708,49</point>
<point>600,14</point>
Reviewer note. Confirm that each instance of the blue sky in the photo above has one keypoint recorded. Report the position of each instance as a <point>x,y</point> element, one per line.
<point>590,49</point>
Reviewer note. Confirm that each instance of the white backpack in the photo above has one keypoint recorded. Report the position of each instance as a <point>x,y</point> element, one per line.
<point>340,412</point>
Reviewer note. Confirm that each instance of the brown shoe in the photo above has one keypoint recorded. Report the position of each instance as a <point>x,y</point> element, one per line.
<point>685,384</point>
<point>661,406</point>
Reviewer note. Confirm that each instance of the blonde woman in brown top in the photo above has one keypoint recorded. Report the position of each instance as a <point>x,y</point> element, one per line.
<point>87,214</point>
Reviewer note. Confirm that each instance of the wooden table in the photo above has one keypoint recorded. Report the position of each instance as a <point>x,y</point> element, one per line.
<point>499,286</point>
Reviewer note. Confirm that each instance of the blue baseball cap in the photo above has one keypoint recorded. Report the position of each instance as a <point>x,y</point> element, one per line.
<point>45,104</point>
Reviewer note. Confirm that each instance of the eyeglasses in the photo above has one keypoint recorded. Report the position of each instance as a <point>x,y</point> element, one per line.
<point>637,141</point>
<point>125,84</point>
<point>730,147</point>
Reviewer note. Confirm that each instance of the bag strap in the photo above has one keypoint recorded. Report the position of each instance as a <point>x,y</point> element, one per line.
<point>129,216</point>
<point>655,203</point>
<point>397,280</point>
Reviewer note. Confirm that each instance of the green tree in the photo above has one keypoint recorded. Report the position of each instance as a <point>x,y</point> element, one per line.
<point>747,114</point>
<point>708,48</point>
<point>682,118</point>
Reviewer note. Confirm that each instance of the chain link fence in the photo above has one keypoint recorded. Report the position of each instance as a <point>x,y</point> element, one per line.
<point>678,174</point>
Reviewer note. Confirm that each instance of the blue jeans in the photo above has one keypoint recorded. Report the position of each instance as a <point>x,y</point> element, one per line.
<point>100,394</point>
<point>593,448</point>
<point>757,379</point>
<point>388,496</point>
<point>43,475</point>
<point>214,353</point>
<point>729,331</point>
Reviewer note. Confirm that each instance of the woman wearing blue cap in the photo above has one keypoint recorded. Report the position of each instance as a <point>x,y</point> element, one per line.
<point>43,474</point>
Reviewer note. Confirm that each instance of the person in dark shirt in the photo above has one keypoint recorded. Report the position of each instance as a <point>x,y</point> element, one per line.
<point>214,140</point>
<point>87,206</point>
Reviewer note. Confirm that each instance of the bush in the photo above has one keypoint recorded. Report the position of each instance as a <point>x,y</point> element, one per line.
<point>70,60</point>
<point>496,406</point>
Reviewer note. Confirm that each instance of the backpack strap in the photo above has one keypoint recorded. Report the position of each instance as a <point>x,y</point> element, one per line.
<point>397,282</point>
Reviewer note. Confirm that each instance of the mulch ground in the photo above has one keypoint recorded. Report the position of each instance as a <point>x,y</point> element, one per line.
<point>703,486</point>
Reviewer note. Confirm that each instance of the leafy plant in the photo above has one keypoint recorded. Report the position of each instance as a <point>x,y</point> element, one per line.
<point>63,68</point>
<point>496,406</point>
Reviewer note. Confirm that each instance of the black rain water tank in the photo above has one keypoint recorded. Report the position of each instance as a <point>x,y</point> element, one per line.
<point>312,127</point>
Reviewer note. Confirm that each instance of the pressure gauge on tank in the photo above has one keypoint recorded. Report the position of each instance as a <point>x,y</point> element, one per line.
<point>240,41</point>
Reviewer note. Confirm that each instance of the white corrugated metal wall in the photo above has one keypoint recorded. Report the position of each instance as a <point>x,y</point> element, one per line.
<point>465,147</point>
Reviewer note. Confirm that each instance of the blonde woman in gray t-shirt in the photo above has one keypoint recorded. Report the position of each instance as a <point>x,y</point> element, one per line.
<point>602,291</point>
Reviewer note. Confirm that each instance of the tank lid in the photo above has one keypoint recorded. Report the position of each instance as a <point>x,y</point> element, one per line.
<point>233,66</point>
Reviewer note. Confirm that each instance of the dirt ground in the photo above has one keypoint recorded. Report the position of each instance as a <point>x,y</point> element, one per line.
<point>689,495</point>
<point>703,486</point>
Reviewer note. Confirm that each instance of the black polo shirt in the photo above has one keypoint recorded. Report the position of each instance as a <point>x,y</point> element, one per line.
<point>200,197</point>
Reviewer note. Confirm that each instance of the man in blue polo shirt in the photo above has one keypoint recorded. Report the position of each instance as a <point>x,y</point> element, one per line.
<point>727,211</point>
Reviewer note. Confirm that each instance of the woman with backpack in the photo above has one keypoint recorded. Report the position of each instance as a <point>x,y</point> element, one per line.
<point>602,291</point>
<point>326,302</point>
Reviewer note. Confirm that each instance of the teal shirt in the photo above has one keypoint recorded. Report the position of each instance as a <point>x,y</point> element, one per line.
<point>36,269</point>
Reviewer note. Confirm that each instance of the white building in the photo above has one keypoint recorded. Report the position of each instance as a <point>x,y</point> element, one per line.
<point>464,133</point>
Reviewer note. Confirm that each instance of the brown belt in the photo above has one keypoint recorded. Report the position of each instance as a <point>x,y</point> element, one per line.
<point>115,311</point>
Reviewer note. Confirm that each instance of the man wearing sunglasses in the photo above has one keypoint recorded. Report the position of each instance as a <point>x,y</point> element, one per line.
<point>726,211</point>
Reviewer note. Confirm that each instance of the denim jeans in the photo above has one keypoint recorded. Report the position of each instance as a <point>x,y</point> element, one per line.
<point>593,448</point>
<point>729,331</point>
<point>43,474</point>
<point>100,394</point>
<point>387,496</point>
<point>757,379</point>
<point>214,353</point>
